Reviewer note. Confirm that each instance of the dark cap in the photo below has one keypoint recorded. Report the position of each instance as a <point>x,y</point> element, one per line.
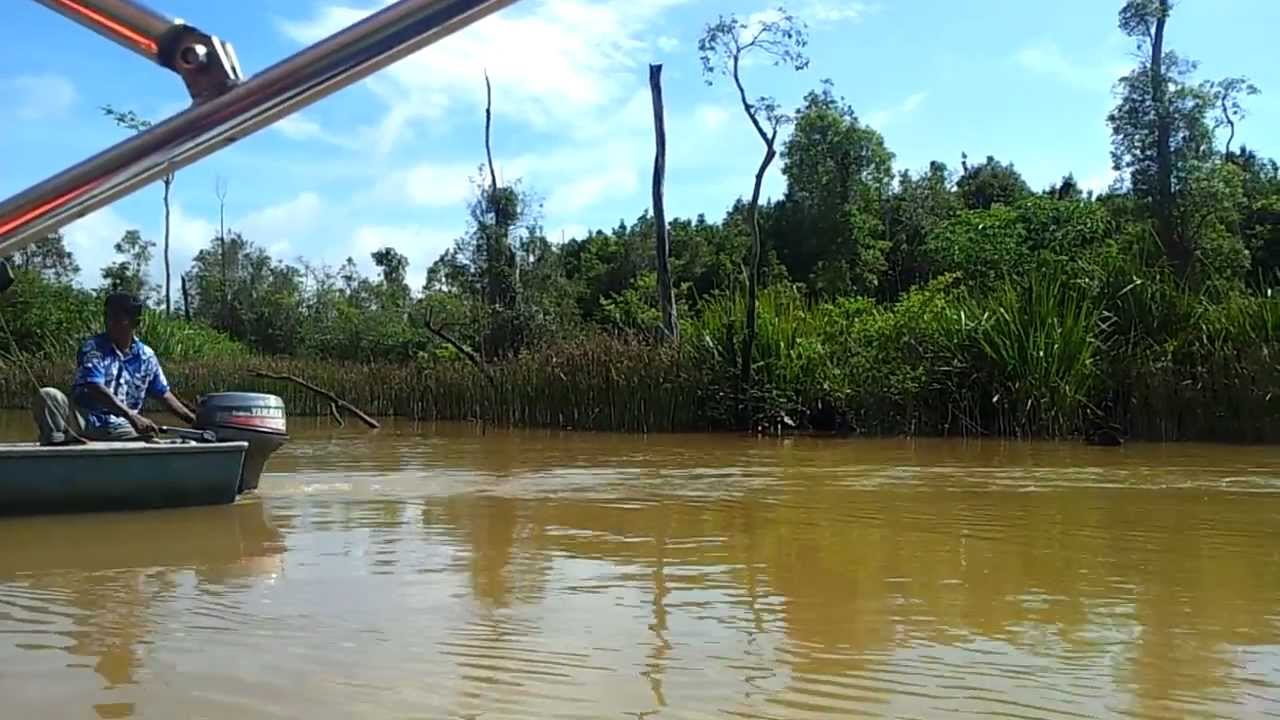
<point>125,304</point>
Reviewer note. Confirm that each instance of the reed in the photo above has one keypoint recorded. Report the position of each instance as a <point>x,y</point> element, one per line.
<point>612,383</point>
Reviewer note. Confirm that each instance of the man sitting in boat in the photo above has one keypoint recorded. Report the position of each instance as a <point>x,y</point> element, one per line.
<point>115,372</point>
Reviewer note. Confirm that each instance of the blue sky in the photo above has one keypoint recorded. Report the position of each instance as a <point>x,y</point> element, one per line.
<point>389,161</point>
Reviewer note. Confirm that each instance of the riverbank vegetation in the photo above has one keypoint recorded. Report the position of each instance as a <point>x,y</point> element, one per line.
<point>943,300</point>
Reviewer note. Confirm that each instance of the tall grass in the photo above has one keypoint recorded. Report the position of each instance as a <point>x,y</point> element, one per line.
<point>609,384</point>
<point>1037,351</point>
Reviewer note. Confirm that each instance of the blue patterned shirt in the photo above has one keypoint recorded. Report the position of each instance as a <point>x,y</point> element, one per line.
<point>130,376</point>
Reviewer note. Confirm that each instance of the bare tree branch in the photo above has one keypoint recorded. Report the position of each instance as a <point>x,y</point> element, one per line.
<point>333,399</point>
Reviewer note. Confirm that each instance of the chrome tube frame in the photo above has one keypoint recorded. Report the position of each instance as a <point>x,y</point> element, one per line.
<point>128,23</point>
<point>230,112</point>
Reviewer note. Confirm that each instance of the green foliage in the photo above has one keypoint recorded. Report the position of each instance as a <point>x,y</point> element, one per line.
<point>1039,342</point>
<point>983,246</point>
<point>50,320</point>
<point>129,274</point>
<point>839,175</point>
<point>47,256</point>
<point>919,205</point>
<point>46,319</point>
<point>982,187</point>
<point>979,245</point>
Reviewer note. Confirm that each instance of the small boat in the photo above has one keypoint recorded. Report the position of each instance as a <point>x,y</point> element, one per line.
<point>214,464</point>
<point>102,476</point>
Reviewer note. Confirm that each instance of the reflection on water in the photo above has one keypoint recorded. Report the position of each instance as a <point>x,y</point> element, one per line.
<point>436,572</point>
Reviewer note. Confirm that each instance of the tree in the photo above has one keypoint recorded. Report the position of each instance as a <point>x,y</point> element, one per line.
<point>485,263</point>
<point>723,46</point>
<point>1163,136</point>
<point>266,301</point>
<point>49,257</point>
<point>1146,20</point>
<point>394,268</point>
<point>129,274</point>
<point>130,120</point>
<point>982,187</point>
<point>1260,225</point>
<point>920,204</point>
<point>662,240</point>
<point>839,175</point>
<point>1226,94</point>
<point>1068,189</point>
<point>1159,126</point>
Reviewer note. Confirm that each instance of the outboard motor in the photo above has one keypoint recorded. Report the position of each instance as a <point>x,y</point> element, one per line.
<point>256,418</point>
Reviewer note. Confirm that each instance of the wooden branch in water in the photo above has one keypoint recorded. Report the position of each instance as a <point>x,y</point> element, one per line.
<point>333,399</point>
<point>337,416</point>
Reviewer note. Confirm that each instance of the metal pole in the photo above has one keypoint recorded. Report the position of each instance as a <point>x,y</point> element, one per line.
<point>342,59</point>
<point>134,26</point>
<point>206,64</point>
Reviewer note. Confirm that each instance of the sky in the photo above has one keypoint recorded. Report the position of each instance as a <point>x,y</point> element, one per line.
<point>391,160</point>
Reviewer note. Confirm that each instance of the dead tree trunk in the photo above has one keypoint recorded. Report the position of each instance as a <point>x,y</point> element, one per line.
<point>168,292</point>
<point>666,292</point>
<point>221,190</point>
<point>186,299</point>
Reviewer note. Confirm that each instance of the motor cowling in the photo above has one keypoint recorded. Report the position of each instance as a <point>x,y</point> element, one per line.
<point>256,418</point>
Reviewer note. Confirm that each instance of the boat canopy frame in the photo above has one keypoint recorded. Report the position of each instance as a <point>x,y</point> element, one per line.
<point>225,106</point>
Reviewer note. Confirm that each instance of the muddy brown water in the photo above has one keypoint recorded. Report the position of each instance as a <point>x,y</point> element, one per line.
<point>431,572</point>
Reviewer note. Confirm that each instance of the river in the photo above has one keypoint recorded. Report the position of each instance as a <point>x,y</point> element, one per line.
<point>435,572</point>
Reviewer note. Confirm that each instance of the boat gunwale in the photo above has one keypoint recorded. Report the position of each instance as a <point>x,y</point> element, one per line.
<point>94,449</point>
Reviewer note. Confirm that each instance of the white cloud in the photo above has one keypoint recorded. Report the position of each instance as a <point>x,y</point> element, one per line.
<point>1099,182</point>
<point>825,12</point>
<point>829,11</point>
<point>188,234</point>
<point>297,127</point>
<point>302,129</point>
<point>666,43</point>
<point>329,20</point>
<point>567,232</point>
<point>40,97</point>
<point>753,21</point>
<point>711,117</point>
<point>282,225</point>
<point>581,174</point>
<point>573,71</point>
<point>421,244</point>
<point>910,104</point>
<point>881,119</point>
<point>431,185</point>
<point>556,64</point>
<point>617,179</point>
<point>1048,59</point>
<point>91,239</point>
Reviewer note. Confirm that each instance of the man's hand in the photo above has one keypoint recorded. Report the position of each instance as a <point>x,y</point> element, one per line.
<point>142,425</point>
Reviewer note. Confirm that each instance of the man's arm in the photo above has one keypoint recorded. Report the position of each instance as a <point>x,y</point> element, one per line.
<point>99,393</point>
<point>177,408</point>
<point>158,387</point>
